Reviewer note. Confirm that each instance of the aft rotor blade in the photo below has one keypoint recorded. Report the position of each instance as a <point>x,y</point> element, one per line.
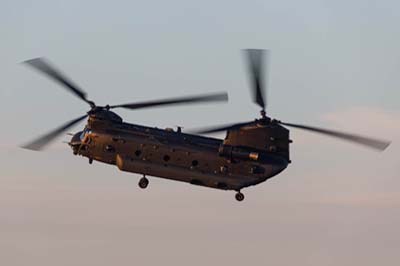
<point>255,60</point>
<point>220,128</point>
<point>191,99</point>
<point>39,143</point>
<point>45,67</point>
<point>366,141</point>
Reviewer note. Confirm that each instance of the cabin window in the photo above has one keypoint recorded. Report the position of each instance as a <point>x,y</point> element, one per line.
<point>138,153</point>
<point>195,163</point>
<point>166,158</point>
<point>223,169</point>
<point>110,148</point>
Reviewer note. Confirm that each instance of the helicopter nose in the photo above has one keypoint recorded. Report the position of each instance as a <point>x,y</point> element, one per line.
<point>76,142</point>
<point>76,139</point>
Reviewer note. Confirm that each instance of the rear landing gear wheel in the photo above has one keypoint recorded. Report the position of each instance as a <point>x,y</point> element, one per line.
<point>239,196</point>
<point>143,182</point>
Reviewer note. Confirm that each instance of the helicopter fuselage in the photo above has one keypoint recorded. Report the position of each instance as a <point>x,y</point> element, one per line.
<point>178,156</point>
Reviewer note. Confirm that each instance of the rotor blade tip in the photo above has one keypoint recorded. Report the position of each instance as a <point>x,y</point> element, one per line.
<point>30,147</point>
<point>33,60</point>
<point>385,145</point>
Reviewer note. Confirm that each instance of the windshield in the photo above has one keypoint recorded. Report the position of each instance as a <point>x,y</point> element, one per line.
<point>85,132</point>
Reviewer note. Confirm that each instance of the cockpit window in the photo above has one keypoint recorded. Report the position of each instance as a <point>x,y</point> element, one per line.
<point>85,132</point>
<point>82,136</point>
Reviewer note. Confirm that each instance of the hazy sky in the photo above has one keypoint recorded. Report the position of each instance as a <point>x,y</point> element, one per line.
<point>334,64</point>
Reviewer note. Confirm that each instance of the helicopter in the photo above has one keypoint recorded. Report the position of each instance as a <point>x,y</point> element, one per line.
<point>251,153</point>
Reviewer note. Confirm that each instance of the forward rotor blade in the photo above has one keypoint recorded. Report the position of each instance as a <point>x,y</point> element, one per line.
<point>366,141</point>
<point>255,60</point>
<point>220,128</point>
<point>193,99</point>
<point>44,66</point>
<point>39,143</point>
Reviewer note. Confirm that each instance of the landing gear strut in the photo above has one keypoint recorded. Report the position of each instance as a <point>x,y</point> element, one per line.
<point>239,196</point>
<point>143,182</point>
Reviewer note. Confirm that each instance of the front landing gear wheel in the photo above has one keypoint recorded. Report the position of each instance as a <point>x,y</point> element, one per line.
<point>239,196</point>
<point>143,182</point>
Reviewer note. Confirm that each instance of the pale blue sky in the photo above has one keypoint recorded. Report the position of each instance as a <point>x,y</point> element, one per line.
<point>333,63</point>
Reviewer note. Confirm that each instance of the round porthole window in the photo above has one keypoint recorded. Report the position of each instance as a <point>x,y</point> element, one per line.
<point>110,148</point>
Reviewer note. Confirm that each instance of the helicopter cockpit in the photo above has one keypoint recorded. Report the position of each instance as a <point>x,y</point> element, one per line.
<point>86,131</point>
<point>79,138</point>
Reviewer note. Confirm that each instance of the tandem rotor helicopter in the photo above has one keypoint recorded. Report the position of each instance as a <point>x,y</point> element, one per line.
<point>251,152</point>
